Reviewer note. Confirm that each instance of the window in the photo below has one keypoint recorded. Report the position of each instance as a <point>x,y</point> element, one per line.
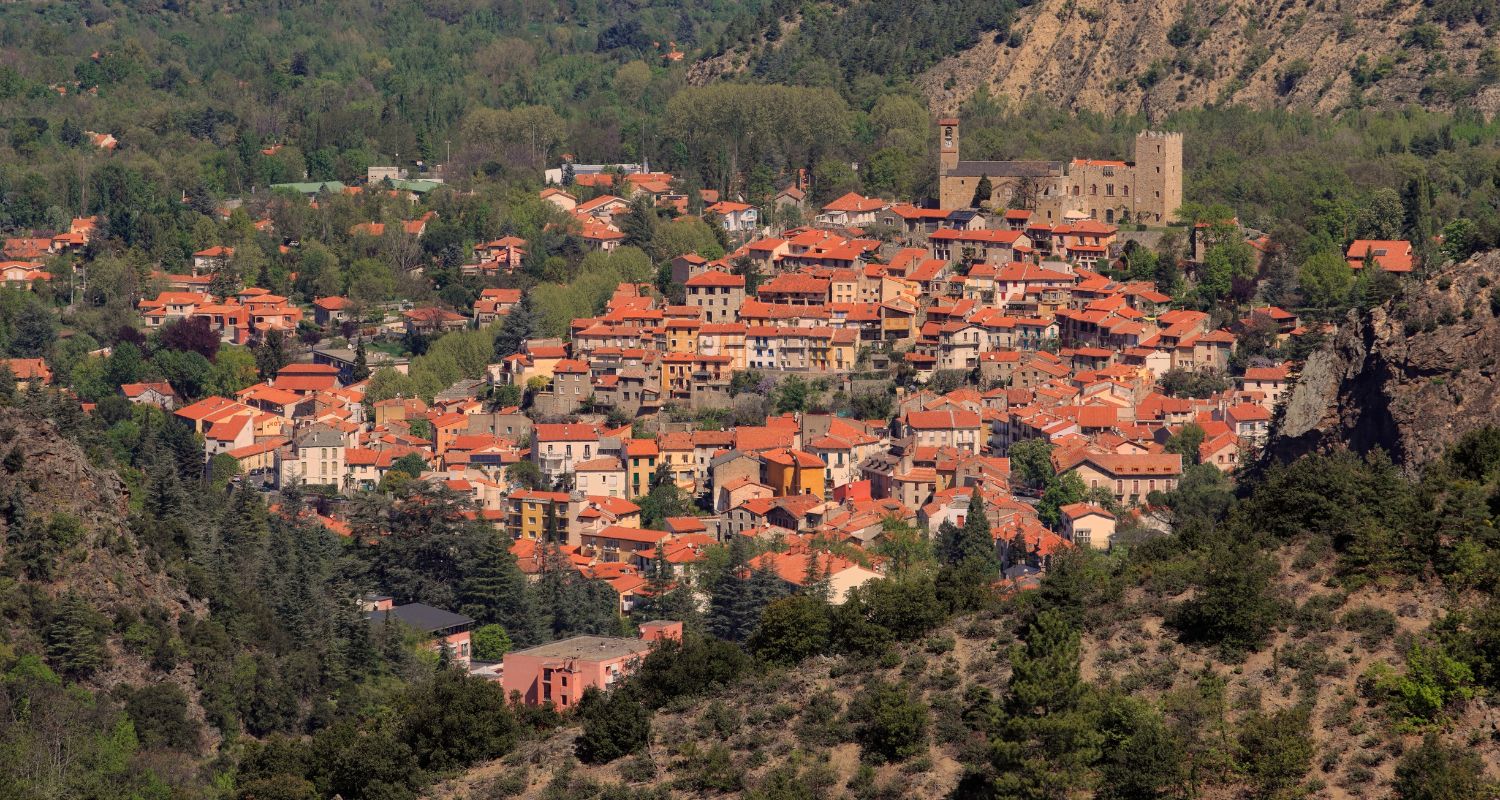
<point>1081,537</point>
<point>1109,189</point>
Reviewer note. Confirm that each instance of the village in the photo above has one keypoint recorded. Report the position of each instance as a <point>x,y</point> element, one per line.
<point>874,365</point>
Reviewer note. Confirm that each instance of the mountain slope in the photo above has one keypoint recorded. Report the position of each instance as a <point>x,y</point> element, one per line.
<point>1157,56</point>
<point>1410,377</point>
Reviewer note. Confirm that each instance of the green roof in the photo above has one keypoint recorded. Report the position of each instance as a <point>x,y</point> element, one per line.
<point>311,187</point>
<point>420,187</point>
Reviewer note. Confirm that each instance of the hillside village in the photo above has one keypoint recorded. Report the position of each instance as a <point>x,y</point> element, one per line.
<point>838,370</point>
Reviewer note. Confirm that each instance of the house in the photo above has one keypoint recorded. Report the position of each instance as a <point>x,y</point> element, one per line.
<point>851,211</point>
<point>558,449</point>
<point>1391,255</point>
<point>315,456</point>
<point>559,672</point>
<point>493,304</point>
<point>212,259</point>
<point>1130,477</point>
<point>794,472</point>
<point>433,321</point>
<point>735,217</point>
<point>560,198</point>
<point>717,294</point>
<point>331,311</point>
<point>27,371</point>
<point>1087,525</point>
<point>445,630</point>
<point>841,574</point>
<point>160,395</point>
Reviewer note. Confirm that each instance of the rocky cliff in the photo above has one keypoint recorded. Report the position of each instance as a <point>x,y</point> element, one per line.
<point>1156,56</point>
<point>1410,376</point>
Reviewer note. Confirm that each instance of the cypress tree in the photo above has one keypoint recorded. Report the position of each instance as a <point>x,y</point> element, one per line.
<point>983,192</point>
<point>361,369</point>
<point>976,542</point>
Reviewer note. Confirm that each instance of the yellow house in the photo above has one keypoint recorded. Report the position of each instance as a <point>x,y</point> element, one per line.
<point>537,516</point>
<point>682,335</point>
<point>794,472</point>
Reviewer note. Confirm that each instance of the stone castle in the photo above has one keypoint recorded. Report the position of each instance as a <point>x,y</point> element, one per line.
<point>1146,190</point>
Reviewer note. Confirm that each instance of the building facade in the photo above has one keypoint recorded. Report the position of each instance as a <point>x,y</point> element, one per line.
<point>1147,190</point>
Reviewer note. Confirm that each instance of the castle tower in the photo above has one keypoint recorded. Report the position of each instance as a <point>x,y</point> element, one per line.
<point>1158,176</point>
<point>947,145</point>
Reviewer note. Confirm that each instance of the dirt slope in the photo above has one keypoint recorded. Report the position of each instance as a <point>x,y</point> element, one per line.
<point>1099,55</point>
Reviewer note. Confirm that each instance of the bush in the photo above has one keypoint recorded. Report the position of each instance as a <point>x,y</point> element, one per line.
<point>791,629</point>
<point>889,723</point>
<point>1432,682</point>
<point>615,724</point>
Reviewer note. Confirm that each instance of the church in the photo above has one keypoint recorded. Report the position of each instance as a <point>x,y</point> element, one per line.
<point>1147,190</point>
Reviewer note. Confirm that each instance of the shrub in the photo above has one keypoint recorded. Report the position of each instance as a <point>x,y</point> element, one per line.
<point>889,724</point>
<point>614,724</point>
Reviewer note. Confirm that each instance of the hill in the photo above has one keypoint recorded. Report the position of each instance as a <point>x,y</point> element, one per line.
<point>800,727</point>
<point>1410,376</point>
<point>1157,57</point>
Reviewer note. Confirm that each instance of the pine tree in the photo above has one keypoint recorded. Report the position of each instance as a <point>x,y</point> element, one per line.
<point>733,607</point>
<point>976,542</point>
<point>496,592</point>
<point>520,324</point>
<point>1046,739</point>
<point>75,638</point>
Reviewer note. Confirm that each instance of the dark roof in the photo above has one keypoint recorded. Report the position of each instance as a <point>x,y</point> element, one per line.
<point>423,617</point>
<point>963,215</point>
<point>1006,169</point>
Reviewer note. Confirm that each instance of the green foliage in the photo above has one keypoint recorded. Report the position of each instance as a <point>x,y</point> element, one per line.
<point>75,638</point>
<point>1031,461</point>
<point>1436,770</point>
<point>1043,736</point>
<point>1233,607</point>
<point>1325,280</point>
<point>1433,683</point>
<point>791,629</point>
<point>1185,442</point>
<point>692,667</point>
<point>490,642</point>
<point>615,724</point>
<point>889,723</point>
<point>1277,750</point>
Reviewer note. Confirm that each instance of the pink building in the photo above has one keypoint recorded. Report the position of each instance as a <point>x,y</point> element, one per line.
<point>560,671</point>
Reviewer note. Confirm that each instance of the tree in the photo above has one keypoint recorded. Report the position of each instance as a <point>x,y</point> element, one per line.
<point>1185,442</point>
<point>75,638</point>
<point>1031,461</point>
<point>791,629</point>
<point>1065,489</point>
<point>793,394</point>
<point>491,642</point>
<point>192,335</point>
<point>274,351</point>
<point>496,593</point>
<point>33,330</point>
<point>526,474</point>
<point>412,464</point>
<point>1278,750</point>
<point>615,724</point>
<point>1461,239</point>
<point>982,192</point>
<point>1233,608</point>
<point>665,596</point>
<point>665,499</point>
<point>1045,736</point>
<point>1325,279</point>
<point>1436,770</point>
<point>519,325</point>
<point>361,369</point>
<point>418,541</point>
<point>733,608</point>
<point>890,724</point>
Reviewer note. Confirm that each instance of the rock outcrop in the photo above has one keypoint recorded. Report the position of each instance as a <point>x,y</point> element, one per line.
<point>1410,376</point>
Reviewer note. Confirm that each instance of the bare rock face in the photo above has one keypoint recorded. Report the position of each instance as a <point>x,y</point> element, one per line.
<point>1410,377</point>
